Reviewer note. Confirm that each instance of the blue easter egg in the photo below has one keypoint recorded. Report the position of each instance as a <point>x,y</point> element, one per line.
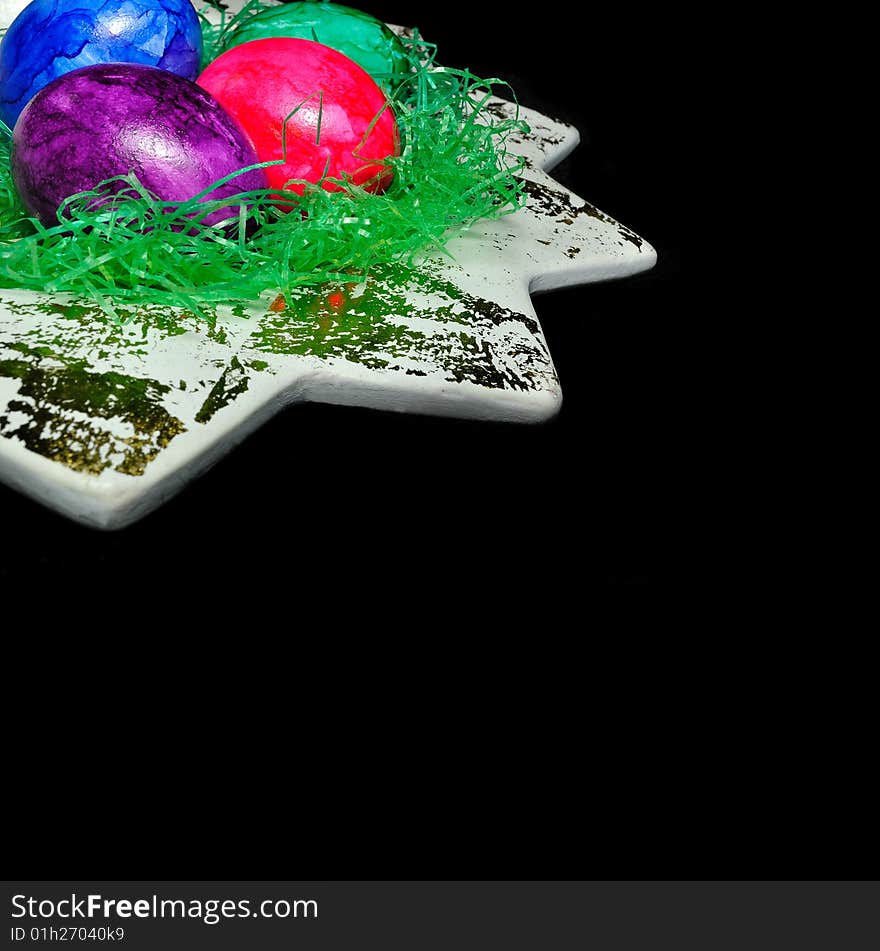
<point>52,37</point>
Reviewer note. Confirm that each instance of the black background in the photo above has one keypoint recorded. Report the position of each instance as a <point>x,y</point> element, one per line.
<point>564,504</point>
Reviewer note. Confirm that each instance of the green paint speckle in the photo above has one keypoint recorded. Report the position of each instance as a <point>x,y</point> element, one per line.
<point>412,321</point>
<point>232,383</point>
<point>87,421</point>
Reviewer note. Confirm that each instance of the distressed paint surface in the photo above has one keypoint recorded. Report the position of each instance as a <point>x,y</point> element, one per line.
<point>87,421</point>
<point>418,324</point>
<point>74,389</point>
<point>117,411</point>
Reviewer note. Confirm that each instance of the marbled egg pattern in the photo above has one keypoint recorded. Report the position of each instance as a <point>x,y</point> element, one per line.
<point>101,121</point>
<point>52,37</point>
<point>354,33</point>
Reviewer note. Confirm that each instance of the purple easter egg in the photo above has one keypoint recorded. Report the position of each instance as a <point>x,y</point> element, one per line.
<point>115,118</point>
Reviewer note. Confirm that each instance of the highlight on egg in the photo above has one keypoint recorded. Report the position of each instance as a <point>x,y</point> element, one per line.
<point>52,37</point>
<point>308,108</point>
<point>113,119</point>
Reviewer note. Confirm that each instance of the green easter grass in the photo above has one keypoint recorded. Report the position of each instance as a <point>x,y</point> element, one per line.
<point>133,249</point>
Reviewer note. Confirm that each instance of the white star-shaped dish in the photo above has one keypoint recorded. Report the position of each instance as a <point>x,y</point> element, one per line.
<point>104,423</point>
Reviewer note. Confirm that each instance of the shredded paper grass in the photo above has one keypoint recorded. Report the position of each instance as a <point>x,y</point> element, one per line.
<point>122,247</point>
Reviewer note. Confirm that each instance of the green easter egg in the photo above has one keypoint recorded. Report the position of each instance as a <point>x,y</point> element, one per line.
<point>361,37</point>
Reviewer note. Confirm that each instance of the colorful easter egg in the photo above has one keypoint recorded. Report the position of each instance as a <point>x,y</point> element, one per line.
<point>112,119</point>
<point>358,35</point>
<point>338,121</point>
<point>52,37</point>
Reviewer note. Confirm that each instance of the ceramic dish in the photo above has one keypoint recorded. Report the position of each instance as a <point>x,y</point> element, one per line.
<point>104,423</point>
